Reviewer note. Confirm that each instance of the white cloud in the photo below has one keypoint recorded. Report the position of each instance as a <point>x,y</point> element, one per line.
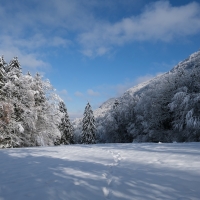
<point>26,33</point>
<point>121,88</point>
<point>108,91</point>
<point>102,50</point>
<point>64,95</point>
<point>58,41</point>
<point>39,40</point>
<point>158,22</point>
<point>25,49</point>
<point>92,93</point>
<point>64,92</point>
<point>142,79</point>
<point>87,52</point>
<point>78,94</point>
<point>76,114</point>
<point>30,62</point>
<point>64,23</point>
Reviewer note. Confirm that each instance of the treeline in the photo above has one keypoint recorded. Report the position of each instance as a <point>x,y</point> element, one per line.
<point>31,114</point>
<point>167,110</point>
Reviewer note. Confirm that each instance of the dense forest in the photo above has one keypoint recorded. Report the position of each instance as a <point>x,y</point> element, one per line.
<point>31,114</point>
<point>164,109</point>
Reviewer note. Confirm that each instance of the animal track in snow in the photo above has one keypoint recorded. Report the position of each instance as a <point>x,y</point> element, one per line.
<point>109,176</point>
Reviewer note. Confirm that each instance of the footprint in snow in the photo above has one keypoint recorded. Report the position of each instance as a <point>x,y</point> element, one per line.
<point>107,193</point>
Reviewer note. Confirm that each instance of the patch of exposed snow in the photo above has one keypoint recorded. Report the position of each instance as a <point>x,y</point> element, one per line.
<point>21,129</point>
<point>103,171</point>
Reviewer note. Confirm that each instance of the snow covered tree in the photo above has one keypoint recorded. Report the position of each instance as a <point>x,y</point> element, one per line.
<point>65,126</point>
<point>3,75</point>
<point>88,130</point>
<point>28,108</point>
<point>40,98</point>
<point>116,103</point>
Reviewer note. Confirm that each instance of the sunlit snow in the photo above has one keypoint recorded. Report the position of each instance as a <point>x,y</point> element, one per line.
<point>103,171</point>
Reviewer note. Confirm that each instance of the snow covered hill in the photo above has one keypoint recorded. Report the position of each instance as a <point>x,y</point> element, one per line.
<point>104,171</point>
<point>157,110</point>
<point>192,61</point>
<point>187,64</point>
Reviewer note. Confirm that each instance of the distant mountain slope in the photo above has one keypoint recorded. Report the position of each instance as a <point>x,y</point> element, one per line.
<point>187,64</point>
<point>167,103</point>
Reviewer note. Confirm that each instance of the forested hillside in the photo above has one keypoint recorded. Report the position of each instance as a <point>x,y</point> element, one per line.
<point>165,109</point>
<point>29,108</point>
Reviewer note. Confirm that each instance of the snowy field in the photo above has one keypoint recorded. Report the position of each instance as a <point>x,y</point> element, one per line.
<point>105,171</point>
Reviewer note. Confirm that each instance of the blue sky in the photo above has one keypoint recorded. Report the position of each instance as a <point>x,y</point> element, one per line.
<point>94,50</point>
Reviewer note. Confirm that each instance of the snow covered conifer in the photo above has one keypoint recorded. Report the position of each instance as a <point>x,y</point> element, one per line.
<point>62,107</point>
<point>28,112</point>
<point>65,126</point>
<point>2,72</point>
<point>89,128</point>
<point>116,103</point>
<point>40,97</point>
<point>14,69</point>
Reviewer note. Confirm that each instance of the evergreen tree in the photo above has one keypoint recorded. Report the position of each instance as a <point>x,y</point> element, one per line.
<point>65,126</point>
<point>12,110</point>
<point>3,75</point>
<point>116,111</point>
<point>89,128</point>
<point>28,113</point>
<point>40,97</point>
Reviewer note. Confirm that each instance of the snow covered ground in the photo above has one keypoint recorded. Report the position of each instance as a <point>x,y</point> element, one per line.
<point>104,171</point>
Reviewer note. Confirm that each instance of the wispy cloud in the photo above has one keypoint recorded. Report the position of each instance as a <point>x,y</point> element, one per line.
<point>78,94</point>
<point>39,24</point>
<point>158,22</point>
<point>108,91</point>
<point>26,48</point>
<point>92,92</point>
<point>27,32</point>
<point>77,114</point>
<point>30,61</point>
<point>64,95</point>
<point>145,78</point>
<point>40,40</point>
